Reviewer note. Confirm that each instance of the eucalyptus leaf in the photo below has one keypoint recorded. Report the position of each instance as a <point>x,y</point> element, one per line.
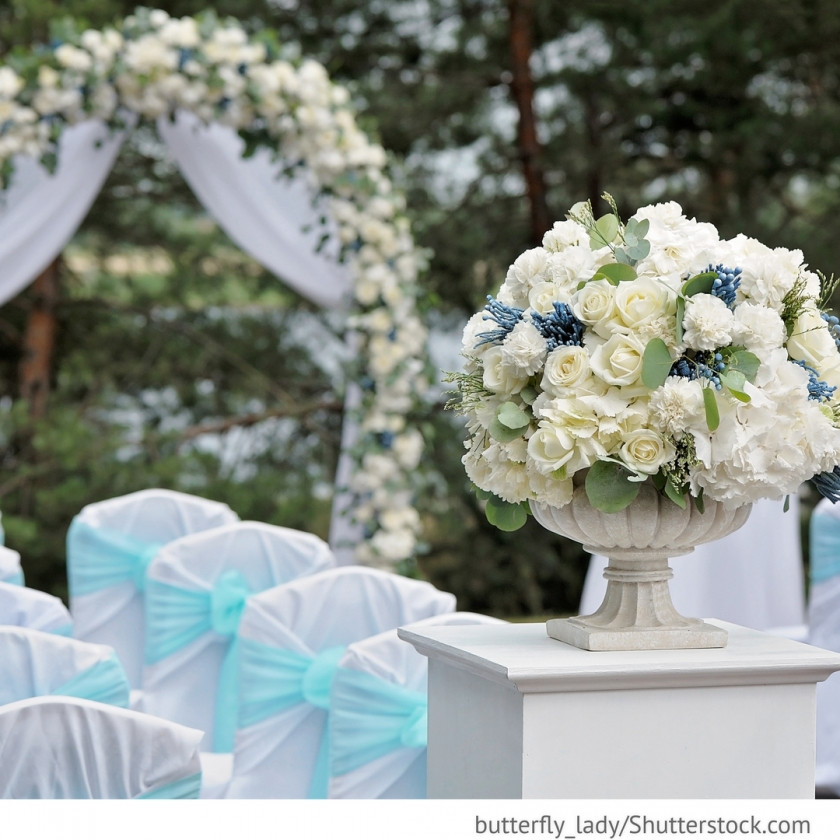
<point>744,362</point>
<point>638,227</point>
<point>616,273</point>
<point>608,487</point>
<point>700,501</point>
<point>605,231</point>
<point>699,284</point>
<point>656,363</point>
<point>505,516</point>
<point>734,381</point>
<point>640,250</point>
<point>509,414</point>
<point>502,433</point>
<point>711,406</point>
<point>529,393</point>
<point>680,317</point>
<point>622,256</point>
<point>673,493</point>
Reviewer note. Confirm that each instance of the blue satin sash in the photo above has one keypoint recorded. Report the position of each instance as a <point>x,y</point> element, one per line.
<point>177,616</point>
<point>188,788</point>
<point>370,717</point>
<point>64,630</point>
<point>105,682</point>
<point>273,680</point>
<point>824,546</point>
<point>16,579</point>
<point>98,558</point>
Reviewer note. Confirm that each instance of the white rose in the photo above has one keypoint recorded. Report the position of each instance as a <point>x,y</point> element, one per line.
<point>619,360</point>
<point>708,323</point>
<point>565,367</point>
<point>524,349</point>
<point>645,451</point>
<point>408,449</point>
<point>500,377</point>
<point>543,294</point>
<point>551,447</point>
<point>393,545</point>
<point>810,340</point>
<point>10,83</point>
<point>642,301</point>
<point>594,304</point>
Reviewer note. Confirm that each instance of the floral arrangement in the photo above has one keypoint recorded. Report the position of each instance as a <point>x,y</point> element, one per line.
<point>152,65</point>
<point>650,351</point>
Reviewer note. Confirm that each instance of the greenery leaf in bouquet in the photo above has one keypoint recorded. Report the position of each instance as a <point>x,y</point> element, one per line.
<point>699,284</point>
<point>528,394</point>
<point>604,232</point>
<point>610,487</point>
<point>680,317</point>
<point>504,434</point>
<point>656,363</point>
<point>616,273</point>
<point>512,416</point>
<point>674,494</point>
<point>742,361</point>
<point>734,381</point>
<point>711,406</point>
<point>506,516</point>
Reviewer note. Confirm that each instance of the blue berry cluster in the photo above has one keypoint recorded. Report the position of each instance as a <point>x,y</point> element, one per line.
<point>506,317</point>
<point>817,388</point>
<point>705,365</point>
<point>559,327</point>
<point>828,484</point>
<point>726,283</point>
<point>833,327</point>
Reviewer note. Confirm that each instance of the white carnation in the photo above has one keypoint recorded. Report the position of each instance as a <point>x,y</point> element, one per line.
<point>524,349</point>
<point>676,407</point>
<point>758,328</point>
<point>526,270</point>
<point>563,235</point>
<point>707,323</point>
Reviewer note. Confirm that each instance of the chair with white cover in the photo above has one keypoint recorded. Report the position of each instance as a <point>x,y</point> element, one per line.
<point>753,577</point>
<point>22,606</point>
<point>109,546</point>
<point>10,568</point>
<point>378,716</point>
<point>196,589</point>
<point>71,748</point>
<point>292,638</point>
<point>37,664</point>
<point>824,632</point>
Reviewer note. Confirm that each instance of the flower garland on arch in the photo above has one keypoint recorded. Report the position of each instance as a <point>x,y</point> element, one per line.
<point>152,65</point>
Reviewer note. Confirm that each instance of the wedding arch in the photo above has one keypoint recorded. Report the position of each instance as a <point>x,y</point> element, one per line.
<point>272,149</point>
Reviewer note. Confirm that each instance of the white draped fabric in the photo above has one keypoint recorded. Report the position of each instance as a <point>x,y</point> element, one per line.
<point>10,569</point>
<point>69,748</point>
<point>276,757</point>
<point>401,773</point>
<point>114,615</point>
<point>21,606</point>
<point>40,212</point>
<point>35,664</point>
<point>753,577</point>
<point>182,686</point>
<point>266,215</point>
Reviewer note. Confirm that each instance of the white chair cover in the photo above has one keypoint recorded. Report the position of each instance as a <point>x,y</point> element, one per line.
<point>10,569</point>
<point>753,577</point>
<point>70,748</point>
<point>21,606</point>
<point>196,589</point>
<point>378,705</point>
<point>35,664</point>
<point>292,637</point>
<point>824,632</point>
<point>109,545</point>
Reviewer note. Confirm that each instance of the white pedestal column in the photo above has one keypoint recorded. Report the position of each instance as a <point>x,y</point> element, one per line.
<point>514,714</point>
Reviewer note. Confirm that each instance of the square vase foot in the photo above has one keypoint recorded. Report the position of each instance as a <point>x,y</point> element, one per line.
<point>578,633</point>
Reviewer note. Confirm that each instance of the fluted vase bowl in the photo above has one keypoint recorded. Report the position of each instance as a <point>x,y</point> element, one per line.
<point>637,613</point>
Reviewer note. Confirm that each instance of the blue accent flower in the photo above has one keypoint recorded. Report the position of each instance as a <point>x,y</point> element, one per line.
<point>560,327</point>
<point>726,283</point>
<point>828,484</point>
<point>817,388</point>
<point>506,317</point>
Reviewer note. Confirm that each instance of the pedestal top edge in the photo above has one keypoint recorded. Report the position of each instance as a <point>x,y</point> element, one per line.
<point>524,655</point>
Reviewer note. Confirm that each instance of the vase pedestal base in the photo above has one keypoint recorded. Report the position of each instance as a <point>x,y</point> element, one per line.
<point>514,714</point>
<point>581,634</point>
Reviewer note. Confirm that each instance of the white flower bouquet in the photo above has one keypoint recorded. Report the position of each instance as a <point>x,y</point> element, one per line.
<point>654,351</point>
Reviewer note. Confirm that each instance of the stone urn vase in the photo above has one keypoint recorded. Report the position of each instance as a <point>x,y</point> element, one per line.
<point>637,613</point>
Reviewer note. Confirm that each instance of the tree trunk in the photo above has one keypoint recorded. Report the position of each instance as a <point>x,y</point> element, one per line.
<point>521,17</point>
<point>39,341</point>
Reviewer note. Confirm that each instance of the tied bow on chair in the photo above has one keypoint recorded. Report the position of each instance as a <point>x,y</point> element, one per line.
<point>177,616</point>
<point>98,558</point>
<point>371,718</point>
<point>104,682</point>
<point>274,679</point>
